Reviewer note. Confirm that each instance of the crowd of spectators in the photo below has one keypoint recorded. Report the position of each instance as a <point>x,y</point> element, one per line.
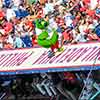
<point>74,20</point>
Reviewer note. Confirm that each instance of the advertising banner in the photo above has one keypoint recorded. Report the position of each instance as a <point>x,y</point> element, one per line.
<point>35,60</point>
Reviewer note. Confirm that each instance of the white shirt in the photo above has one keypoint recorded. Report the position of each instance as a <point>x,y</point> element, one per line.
<point>52,23</point>
<point>82,28</point>
<point>93,4</point>
<point>10,40</point>
<point>18,42</point>
<point>38,31</point>
<point>68,19</point>
<point>1,3</point>
<point>59,2</point>
<point>17,2</point>
<point>10,14</point>
<point>1,45</point>
<point>48,8</point>
<point>80,38</point>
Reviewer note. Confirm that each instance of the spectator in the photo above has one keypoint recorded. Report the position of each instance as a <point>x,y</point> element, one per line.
<point>18,27</point>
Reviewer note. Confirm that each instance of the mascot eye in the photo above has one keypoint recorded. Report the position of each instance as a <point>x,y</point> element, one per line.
<point>43,23</point>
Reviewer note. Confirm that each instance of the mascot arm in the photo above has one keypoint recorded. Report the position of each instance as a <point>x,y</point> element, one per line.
<point>54,37</point>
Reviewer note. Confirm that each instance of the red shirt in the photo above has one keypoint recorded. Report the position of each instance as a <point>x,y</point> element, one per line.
<point>69,76</point>
<point>86,1</point>
<point>83,9</point>
<point>40,13</point>
<point>93,37</point>
<point>67,36</point>
<point>60,21</point>
<point>30,24</point>
<point>1,14</point>
<point>34,40</point>
<point>8,27</point>
<point>91,12</point>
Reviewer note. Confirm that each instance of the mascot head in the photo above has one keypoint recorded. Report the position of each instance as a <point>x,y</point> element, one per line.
<point>41,23</point>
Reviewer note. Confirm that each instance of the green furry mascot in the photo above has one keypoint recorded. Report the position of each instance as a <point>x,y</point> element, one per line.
<point>43,38</point>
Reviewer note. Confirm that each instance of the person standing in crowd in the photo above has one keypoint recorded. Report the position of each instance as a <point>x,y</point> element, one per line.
<point>18,27</point>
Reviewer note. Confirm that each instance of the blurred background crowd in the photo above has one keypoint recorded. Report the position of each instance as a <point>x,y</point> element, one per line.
<point>74,20</point>
<point>45,86</point>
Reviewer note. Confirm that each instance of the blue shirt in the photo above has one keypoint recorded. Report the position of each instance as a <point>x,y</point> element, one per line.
<point>18,43</point>
<point>21,13</point>
<point>97,30</point>
<point>7,3</point>
<point>27,41</point>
